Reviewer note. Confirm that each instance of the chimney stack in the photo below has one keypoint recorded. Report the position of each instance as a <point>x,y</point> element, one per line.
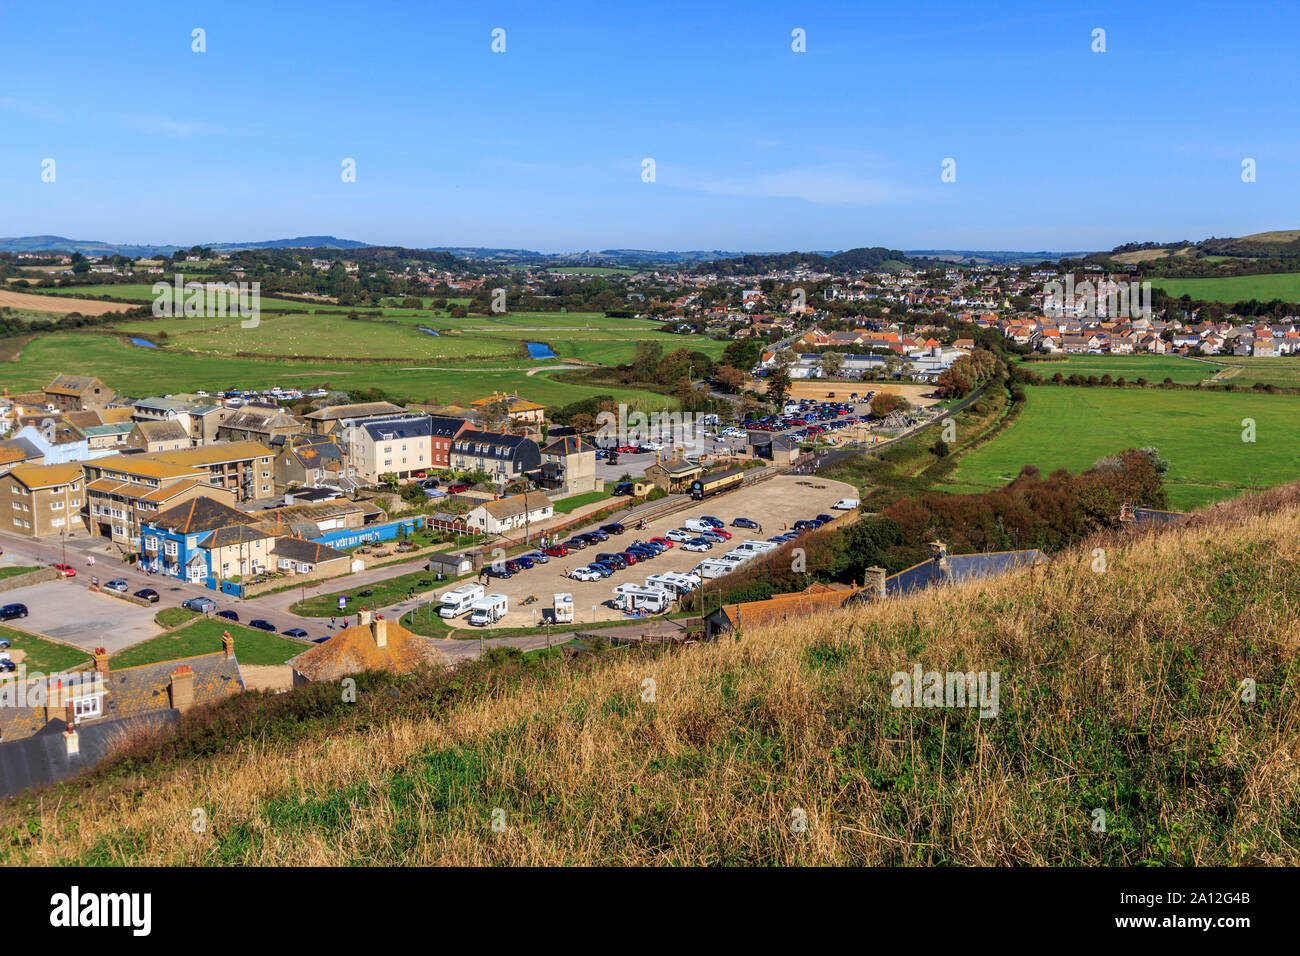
<point>227,644</point>
<point>101,662</point>
<point>182,688</point>
<point>380,630</point>
<point>364,616</point>
<point>874,581</point>
<point>939,552</point>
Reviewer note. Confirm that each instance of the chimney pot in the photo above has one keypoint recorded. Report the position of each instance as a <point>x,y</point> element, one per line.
<point>101,661</point>
<point>380,630</point>
<point>182,688</point>
<point>874,579</point>
<point>227,644</point>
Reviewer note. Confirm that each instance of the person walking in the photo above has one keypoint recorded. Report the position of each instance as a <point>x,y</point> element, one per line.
<point>331,622</point>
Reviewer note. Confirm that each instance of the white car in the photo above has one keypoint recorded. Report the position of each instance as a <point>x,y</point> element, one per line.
<point>696,544</point>
<point>584,574</point>
<point>679,535</point>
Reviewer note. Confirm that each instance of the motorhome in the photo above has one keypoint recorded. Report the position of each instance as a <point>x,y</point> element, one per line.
<point>459,599</point>
<point>562,612</point>
<point>675,583</point>
<point>635,597</point>
<point>713,568</point>
<point>488,610</point>
<point>758,547</point>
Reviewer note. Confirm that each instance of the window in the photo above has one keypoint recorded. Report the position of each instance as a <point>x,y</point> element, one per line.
<point>87,707</point>
<point>170,549</point>
<point>57,522</point>
<point>56,505</point>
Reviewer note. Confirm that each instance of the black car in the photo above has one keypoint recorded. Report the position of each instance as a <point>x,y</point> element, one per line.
<point>262,625</point>
<point>295,632</point>
<point>623,488</point>
<point>7,665</point>
<point>825,519</point>
<point>577,544</point>
<point>149,594</point>
<point>11,612</point>
<point>228,615</point>
<point>596,537</point>
<point>612,528</point>
<point>493,571</point>
<point>613,560</point>
<point>744,523</point>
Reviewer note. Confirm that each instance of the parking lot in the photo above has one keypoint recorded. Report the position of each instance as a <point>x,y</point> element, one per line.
<point>68,611</point>
<point>775,503</point>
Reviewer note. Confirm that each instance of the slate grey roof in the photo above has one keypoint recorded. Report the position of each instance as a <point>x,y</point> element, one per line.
<point>42,759</point>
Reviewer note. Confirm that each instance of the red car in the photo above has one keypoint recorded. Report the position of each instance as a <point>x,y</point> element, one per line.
<point>626,449</point>
<point>556,551</point>
<point>629,557</point>
<point>720,533</point>
<point>664,541</point>
<point>68,570</point>
<point>457,488</point>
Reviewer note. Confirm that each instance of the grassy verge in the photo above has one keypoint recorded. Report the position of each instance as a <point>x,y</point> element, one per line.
<point>204,637</point>
<point>12,572</point>
<point>567,505</point>
<point>42,654</point>
<point>173,616</point>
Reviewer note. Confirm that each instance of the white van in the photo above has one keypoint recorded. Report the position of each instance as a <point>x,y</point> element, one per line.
<point>459,600</point>
<point>846,504</point>
<point>696,525</point>
<point>563,609</point>
<point>488,610</point>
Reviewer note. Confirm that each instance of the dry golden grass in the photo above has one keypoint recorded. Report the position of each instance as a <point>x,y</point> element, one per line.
<point>1119,690</point>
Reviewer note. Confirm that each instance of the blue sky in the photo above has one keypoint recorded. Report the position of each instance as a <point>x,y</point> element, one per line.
<point>755,147</point>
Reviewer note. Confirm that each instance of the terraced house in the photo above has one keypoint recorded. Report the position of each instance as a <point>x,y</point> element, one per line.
<point>123,491</point>
<point>242,467</point>
<point>400,445</point>
<point>504,457</point>
<point>38,501</point>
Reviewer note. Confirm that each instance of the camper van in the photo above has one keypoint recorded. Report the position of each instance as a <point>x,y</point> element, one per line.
<point>758,547</point>
<point>713,568</point>
<point>458,600</point>
<point>676,584</point>
<point>636,597</point>
<point>488,610</point>
<point>563,609</point>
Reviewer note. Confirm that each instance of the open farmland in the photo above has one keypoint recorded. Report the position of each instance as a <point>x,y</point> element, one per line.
<point>1154,368</point>
<point>147,371</point>
<point>29,302</point>
<point>1199,433</point>
<point>1265,288</point>
<point>142,292</point>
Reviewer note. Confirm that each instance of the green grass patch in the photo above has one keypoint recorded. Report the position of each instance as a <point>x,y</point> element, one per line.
<point>1199,432</point>
<point>13,572</point>
<point>172,616</point>
<point>567,505</point>
<point>42,654</point>
<point>1230,289</point>
<point>204,637</point>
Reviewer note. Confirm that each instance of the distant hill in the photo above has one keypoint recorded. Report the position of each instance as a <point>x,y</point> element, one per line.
<point>1277,244</point>
<point>95,248</point>
<point>991,256</point>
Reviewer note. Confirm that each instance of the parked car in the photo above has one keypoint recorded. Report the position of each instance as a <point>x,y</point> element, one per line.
<point>229,615</point>
<point>712,537</point>
<point>577,544</point>
<point>680,535</point>
<point>6,665</point>
<point>262,625</point>
<point>12,612</point>
<point>623,488</point>
<point>117,584</point>
<point>201,604</point>
<point>612,528</point>
<point>585,574</point>
<point>149,594</point>
<point>4,643</point>
<point>601,568</point>
<point>556,551</point>
<point>457,487</point>
<point>493,571</point>
<point>663,541</point>
<point>630,557</point>
<point>596,536</point>
<point>626,449</point>
<point>716,522</point>
<point>537,557</point>
<point>67,570</point>
<point>825,519</point>
<point>744,523</point>
<point>846,504</point>
<point>295,632</point>
<point>616,561</point>
<point>697,544</point>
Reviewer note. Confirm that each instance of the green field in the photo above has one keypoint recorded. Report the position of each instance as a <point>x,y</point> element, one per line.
<point>1199,433</point>
<point>1283,371</point>
<point>1265,288</point>
<point>41,654</point>
<point>204,637</point>
<point>143,292</point>
<point>143,371</point>
<point>1154,368</point>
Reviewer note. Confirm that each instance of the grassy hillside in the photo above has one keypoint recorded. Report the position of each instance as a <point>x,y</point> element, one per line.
<point>1230,289</point>
<point>1118,690</point>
